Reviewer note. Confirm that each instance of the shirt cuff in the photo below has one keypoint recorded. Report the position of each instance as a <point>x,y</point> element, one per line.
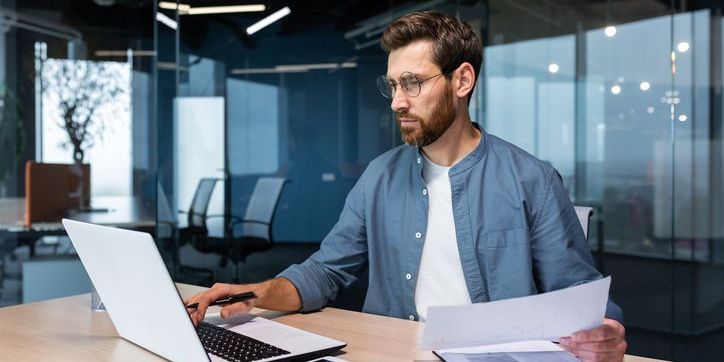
<point>308,290</point>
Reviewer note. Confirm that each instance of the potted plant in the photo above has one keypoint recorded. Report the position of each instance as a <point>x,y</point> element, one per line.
<point>80,89</point>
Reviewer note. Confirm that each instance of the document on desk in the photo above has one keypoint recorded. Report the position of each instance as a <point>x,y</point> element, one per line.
<point>527,351</point>
<point>546,316</point>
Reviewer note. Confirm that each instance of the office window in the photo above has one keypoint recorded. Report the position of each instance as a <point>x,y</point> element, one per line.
<point>108,147</point>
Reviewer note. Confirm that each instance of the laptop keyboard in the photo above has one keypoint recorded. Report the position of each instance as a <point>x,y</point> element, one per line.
<point>233,346</point>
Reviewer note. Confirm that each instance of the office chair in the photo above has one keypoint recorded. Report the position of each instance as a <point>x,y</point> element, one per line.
<point>256,226</point>
<point>196,229</point>
<point>584,214</point>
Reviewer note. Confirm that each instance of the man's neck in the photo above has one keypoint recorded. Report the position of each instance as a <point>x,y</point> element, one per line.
<point>456,143</point>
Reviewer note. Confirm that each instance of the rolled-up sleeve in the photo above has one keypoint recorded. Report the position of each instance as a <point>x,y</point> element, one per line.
<point>339,261</point>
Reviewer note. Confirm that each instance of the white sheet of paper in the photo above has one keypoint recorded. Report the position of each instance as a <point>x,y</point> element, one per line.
<point>546,316</point>
<point>524,346</point>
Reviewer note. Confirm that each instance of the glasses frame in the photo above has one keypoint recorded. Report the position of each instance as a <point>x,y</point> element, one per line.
<point>384,82</point>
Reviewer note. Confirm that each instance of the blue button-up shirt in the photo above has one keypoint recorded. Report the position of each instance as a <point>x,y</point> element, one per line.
<point>517,232</point>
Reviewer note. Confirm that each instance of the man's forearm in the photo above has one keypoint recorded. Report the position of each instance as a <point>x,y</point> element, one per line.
<point>278,294</point>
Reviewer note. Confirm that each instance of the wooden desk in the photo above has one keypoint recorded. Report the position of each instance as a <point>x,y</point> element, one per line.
<point>66,330</point>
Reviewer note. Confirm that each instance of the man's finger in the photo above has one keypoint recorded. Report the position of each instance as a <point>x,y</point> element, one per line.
<point>565,343</point>
<point>236,308</point>
<point>205,298</point>
<point>587,356</point>
<point>602,333</point>
<point>610,345</point>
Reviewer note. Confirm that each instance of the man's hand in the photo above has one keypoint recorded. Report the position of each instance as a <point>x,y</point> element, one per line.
<point>216,292</point>
<point>274,294</point>
<point>605,343</point>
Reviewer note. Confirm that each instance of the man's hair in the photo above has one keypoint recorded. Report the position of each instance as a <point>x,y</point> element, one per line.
<point>453,42</point>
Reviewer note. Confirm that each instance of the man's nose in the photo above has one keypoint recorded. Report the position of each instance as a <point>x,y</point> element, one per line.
<point>400,101</point>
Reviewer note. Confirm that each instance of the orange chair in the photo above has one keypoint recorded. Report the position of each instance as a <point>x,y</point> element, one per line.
<point>52,189</point>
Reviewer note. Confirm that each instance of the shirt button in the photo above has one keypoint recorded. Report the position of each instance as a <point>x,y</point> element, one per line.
<point>408,276</point>
<point>424,191</point>
<point>411,317</point>
<point>419,160</point>
<point>418,235</point>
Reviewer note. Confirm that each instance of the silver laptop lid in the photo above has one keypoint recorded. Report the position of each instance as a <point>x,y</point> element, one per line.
<point>139,294</point>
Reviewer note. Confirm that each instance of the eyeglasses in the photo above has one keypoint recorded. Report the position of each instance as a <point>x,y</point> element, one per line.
<point>408,81</point>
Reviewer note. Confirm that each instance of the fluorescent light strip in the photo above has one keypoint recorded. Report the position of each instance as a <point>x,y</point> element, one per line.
<point>294,68</point>
<point>226,9</point>
<point>268,20</point>
<point>171,66</point>
<point>172,6</point>
<point>266,71</point>
<point>165,20</point>
<point>125,53</point>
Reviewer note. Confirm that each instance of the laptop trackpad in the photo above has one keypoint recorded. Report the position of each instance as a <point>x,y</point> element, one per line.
<point>277,334</point>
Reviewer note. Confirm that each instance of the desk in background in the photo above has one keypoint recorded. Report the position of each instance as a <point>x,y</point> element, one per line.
<point>123,212</point>
<point>66,329</point>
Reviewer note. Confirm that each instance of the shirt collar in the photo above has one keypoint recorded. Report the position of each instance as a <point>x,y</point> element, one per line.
<point>470,160</point>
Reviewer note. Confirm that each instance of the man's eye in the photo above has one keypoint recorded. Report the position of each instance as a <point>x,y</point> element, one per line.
<point>409,82</point>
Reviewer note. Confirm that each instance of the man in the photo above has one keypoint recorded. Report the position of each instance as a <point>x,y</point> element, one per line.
<point>455,216</point>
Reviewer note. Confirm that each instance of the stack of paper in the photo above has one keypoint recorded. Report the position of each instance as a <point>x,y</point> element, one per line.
<point>536,319</point>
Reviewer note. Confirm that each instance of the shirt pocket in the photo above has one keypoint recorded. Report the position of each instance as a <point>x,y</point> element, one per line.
<point>508,263</point>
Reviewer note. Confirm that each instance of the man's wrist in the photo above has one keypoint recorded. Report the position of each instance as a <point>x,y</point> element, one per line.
<point>277,294</point>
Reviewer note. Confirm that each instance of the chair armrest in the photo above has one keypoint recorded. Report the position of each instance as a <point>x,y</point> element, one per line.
<point>249,221</point>
<point>232,217</point>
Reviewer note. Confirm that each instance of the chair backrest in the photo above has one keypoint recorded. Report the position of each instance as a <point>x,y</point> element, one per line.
<point>200,202</point>
<point>584,214</point>
<point>260,210</point>
<point>163,206</point>
<point>51,189</point>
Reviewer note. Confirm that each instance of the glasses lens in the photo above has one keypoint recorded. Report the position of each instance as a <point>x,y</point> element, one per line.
<point>410,84</point>
<point>385,86</point>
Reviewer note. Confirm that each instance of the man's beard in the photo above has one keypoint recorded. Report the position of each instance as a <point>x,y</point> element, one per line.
<point>429,130</point>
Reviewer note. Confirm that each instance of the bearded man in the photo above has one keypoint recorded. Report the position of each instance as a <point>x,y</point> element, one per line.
<point>455,216</point>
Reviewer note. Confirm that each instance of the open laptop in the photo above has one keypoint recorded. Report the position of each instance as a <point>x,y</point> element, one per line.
<point>146,309</point>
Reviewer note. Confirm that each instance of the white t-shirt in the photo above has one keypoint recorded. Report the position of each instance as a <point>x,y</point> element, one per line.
<point>440,280</point>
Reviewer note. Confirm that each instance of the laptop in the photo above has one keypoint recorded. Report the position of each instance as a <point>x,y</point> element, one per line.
<point>146,309</point>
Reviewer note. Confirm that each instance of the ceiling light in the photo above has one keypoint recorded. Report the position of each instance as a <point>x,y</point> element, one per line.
<point>268,20</point>
<point>165,20</point>
<point>553,68</point>
<point>295,68</point>
<point>172,6</point>
<point>650,110</point>
<point>682,47</point>
<point>610,31</point>
<point>645,86</point>
<point>616,89</point>
<point>682,118</point>
<point>125,53</point>
<point>226,9</point>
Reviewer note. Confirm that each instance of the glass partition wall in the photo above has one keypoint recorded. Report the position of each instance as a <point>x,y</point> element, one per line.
<point>623,98</point>
<point>76,135</point>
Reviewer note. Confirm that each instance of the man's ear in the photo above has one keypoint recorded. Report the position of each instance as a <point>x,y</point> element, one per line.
<point>465,80</point>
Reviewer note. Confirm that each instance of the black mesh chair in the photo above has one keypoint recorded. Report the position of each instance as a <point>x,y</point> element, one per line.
<point>253,233</point>
<point>196,230</point>
<point>242,236</point>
